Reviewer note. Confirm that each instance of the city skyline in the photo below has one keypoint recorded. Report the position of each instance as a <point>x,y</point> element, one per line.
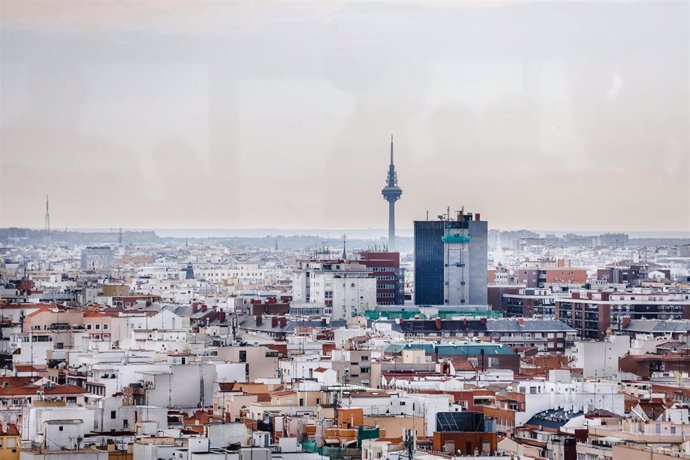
<point>156,118</point>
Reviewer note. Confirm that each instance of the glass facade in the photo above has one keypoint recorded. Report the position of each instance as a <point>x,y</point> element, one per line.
<point>428,262</point>
<point>430,252</point>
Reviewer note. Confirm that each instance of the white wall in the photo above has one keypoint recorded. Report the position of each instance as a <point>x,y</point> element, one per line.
<point>353,296</point>
<point>600,359</point>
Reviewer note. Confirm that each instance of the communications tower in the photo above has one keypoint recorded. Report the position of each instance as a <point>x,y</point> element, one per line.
<point>391,193</point>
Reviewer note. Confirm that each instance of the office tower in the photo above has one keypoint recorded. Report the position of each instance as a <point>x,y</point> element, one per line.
<point>345,288</point>
<point>390,277</point>
<point>451,261</point>
<point>391,193</point>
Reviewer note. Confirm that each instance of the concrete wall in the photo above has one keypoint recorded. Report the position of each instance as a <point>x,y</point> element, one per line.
<point>600,359</point>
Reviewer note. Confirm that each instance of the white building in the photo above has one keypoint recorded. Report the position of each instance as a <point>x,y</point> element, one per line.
<point>347,287</point>
<point>600,359</point>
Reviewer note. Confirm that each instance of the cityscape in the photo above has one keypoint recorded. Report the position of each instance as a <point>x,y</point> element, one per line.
<point>426,315</point>
<point>471,342</point>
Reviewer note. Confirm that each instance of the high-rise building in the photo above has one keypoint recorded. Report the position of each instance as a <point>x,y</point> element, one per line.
<point>344,287</point>
<point>391,193</point>
<point>390,277</point>
<point>451,261</point>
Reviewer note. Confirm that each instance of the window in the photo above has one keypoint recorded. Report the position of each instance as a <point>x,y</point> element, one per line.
<point>60,428</point>
<point>113,414</point>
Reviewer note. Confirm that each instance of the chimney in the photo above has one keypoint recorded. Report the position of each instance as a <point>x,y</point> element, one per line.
<point>204,307</point>
<point>274,322</point>
<point>195,307</point>
<point>259,320</point>
<point>483,320</point>
<point>625,322</point>
<point>477,217</point>
<point>521,321</point>
<point>283,322</point>
<point>438,324</point>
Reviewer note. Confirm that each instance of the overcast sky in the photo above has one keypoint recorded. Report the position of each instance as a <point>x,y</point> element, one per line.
<point>225,114</point>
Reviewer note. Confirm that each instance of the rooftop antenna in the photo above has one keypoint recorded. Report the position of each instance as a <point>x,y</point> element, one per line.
<point>47,218</point>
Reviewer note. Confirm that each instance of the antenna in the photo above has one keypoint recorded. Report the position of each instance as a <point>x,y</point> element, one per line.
<point>47,217</point>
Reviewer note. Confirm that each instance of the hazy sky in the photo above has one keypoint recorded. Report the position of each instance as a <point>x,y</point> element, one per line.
<point>228,114</point>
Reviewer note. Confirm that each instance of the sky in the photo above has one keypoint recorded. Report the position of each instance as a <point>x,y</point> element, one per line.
<point>230,114</point>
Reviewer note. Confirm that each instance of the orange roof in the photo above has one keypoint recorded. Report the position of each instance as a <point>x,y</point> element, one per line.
<point>64,390</point>
<point>94,314</point>
<point>29,368</point>
<point>227,386</point>
<point>12,430</point>
<point>282,393</point>
<point>39,311</point>
<point>15,381</point>
<point>25,305</point>
<point>28,390</point>
<point>200,416</point>
<point>461,364</point>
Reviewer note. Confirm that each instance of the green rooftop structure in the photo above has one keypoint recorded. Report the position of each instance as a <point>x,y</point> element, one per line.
<point>367,432</point>
<point>469,349</point>
<point>430,312</point>
<point>456,239</point>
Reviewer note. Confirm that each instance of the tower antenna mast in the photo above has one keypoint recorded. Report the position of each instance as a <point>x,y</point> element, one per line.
<point>391,193</point>
<point>47,217</point>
